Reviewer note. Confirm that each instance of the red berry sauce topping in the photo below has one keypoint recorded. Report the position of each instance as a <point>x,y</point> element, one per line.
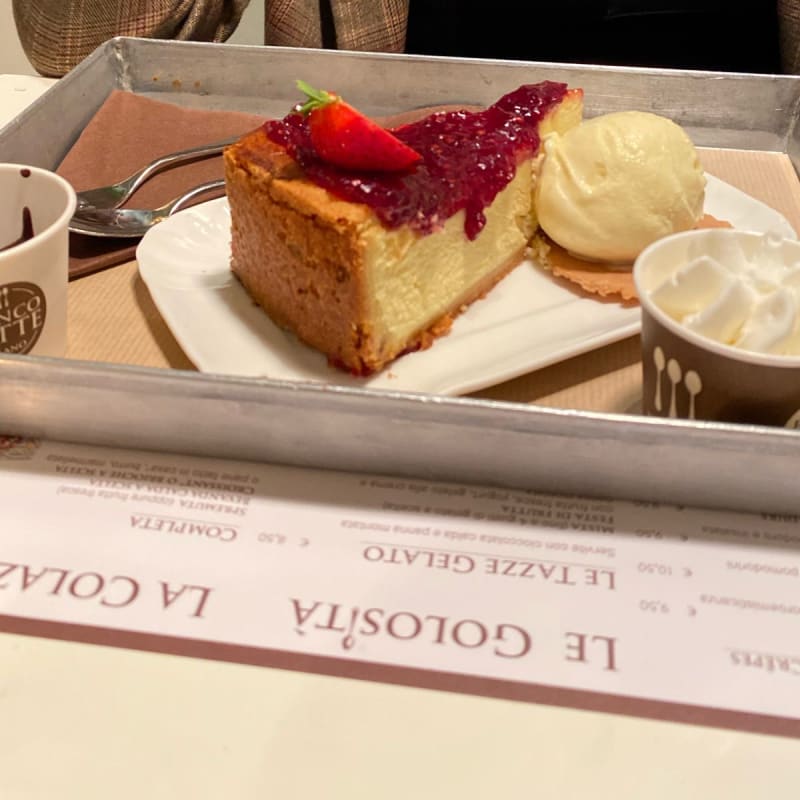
<point>467,158</point>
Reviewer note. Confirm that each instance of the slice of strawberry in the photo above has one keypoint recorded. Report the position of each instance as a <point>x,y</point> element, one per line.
<point>343,136</point>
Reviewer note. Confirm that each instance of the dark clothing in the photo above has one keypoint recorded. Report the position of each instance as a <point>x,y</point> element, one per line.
<point>728,35</point>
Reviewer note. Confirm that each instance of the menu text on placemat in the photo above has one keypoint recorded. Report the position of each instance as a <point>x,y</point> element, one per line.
<point>638,608</point>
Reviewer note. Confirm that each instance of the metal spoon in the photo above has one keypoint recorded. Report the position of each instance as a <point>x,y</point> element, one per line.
<point>116,194</point>
<point>133,222</point>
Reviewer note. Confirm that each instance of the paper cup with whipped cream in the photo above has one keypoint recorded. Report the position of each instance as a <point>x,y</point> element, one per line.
<point>721,327</point>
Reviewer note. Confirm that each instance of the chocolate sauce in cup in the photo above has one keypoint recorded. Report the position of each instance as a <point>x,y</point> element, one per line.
<point>27,230</point>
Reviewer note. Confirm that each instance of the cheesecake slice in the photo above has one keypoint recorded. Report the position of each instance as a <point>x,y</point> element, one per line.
<point>367,266</point>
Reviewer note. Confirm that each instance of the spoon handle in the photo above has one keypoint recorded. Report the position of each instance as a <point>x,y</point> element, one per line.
<point>178,158</point>
<point>116,194</point>
<point>203,188</point>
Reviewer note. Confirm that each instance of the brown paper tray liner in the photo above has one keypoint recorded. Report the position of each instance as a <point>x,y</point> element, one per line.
<point>127,132</point>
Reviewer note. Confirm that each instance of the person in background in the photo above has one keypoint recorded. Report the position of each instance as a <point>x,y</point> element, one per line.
<point>789,29</point>
<point>746,36</point>
<point>57,34</point>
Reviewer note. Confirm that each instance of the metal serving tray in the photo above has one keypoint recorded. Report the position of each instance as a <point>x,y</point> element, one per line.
<point>737,467</point>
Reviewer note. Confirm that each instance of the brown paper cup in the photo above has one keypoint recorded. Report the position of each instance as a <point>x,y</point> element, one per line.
<point>686,375</point>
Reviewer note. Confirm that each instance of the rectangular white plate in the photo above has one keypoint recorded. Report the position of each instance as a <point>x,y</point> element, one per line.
<point>528,321</point>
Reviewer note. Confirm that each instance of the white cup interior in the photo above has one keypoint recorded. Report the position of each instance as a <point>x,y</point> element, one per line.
<point>49,198</point>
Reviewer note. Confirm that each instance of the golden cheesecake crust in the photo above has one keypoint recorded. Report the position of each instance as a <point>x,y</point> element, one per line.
<point>296,249</point>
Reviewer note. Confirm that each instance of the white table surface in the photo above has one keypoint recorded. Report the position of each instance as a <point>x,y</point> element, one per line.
<point>17,92</point>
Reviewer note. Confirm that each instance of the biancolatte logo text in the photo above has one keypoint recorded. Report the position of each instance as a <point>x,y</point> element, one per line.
<point>22,313</point>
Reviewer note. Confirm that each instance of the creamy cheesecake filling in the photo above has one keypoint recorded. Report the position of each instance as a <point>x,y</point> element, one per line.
<point>413,280</point>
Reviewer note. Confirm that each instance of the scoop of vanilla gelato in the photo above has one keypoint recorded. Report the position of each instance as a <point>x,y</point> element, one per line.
<point>618,182</point>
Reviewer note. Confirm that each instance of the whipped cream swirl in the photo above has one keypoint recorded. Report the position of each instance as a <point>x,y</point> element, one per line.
<point>747,299</point>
